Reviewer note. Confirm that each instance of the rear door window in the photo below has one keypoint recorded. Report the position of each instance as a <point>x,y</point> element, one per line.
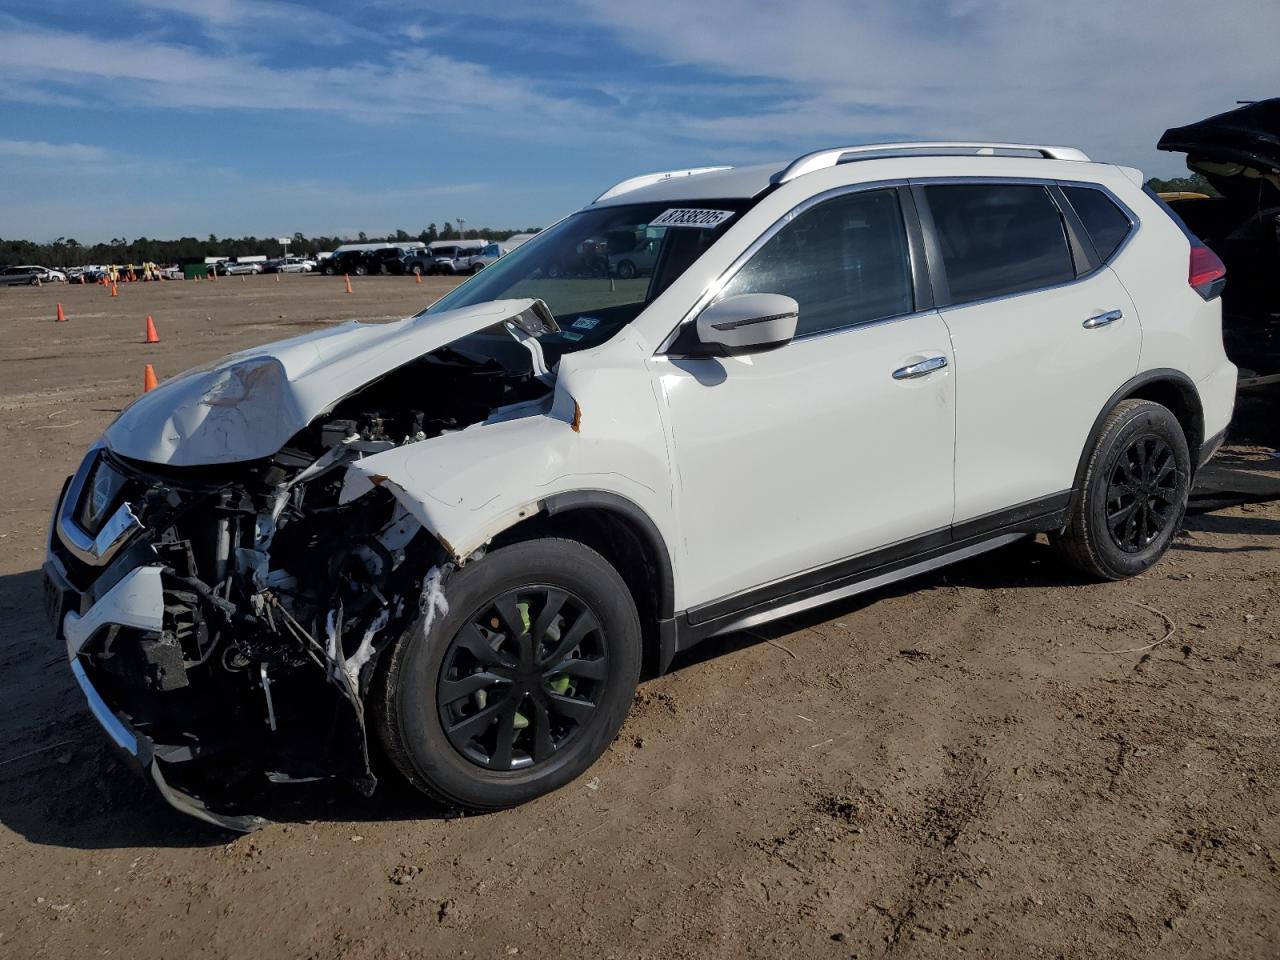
<point>998,239</point>
<point>1107,224</point>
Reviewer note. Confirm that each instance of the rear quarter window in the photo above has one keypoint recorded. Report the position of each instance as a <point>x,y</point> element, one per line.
<point>1107,224</point>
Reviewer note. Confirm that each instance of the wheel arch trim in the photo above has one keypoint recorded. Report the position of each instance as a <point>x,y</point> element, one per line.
<point>1134,386</point>
<point>610,502</point>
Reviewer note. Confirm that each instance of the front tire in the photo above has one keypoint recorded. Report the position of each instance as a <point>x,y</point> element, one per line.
<point>520,687</point>
<point>1133,496</point>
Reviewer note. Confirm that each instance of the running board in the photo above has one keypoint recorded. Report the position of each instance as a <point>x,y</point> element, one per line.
<point>872,583</point>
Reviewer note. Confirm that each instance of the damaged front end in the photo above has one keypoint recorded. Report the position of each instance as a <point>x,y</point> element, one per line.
<point>225,619</point>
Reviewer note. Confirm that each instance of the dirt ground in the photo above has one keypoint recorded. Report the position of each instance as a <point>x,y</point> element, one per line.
<point>993,760</point>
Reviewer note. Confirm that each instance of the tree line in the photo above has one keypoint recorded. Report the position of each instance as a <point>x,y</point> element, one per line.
<point>69,252</point>
<point>1196,183</point>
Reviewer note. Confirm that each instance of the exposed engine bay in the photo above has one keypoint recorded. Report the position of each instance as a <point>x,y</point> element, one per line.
<point>277,598</point>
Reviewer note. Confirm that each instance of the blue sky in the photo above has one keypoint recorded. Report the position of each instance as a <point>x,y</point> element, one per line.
<point>164,118</point>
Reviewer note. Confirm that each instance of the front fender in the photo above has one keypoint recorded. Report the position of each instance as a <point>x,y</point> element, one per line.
<point>600,431</point>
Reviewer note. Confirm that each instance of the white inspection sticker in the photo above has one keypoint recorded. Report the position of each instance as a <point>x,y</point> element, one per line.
<point>682,217</point>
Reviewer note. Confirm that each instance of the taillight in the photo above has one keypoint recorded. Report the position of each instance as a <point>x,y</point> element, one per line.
<point>1206,274</point>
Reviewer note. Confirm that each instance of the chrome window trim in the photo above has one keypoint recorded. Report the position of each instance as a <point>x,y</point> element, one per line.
<point>1135,222</point>
<point>713,289</point>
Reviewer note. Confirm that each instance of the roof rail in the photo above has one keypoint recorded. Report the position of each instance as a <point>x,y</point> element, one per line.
<point>644,180</point>
<point>821,159</point>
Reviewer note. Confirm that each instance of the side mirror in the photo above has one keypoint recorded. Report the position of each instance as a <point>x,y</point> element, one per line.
<point>748,323</point>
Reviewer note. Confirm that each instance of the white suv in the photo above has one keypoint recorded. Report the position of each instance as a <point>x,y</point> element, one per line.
<point>460,537</point>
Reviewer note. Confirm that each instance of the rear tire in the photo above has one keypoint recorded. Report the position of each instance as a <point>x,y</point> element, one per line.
<point>489,709</point>
<point>1133,495</point>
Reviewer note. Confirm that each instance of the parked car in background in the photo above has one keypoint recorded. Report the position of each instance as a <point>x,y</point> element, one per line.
<point>487,255</point>
<point>454,539</point>
<point>351,262</point>
<point>448,257</point>
<point>631,256</point>
<point>232,268</point>
<point>30,275</point>
<point>388,260</point>
<point>289,265</point>
<point>421,263</point>
<point>1238,152</point>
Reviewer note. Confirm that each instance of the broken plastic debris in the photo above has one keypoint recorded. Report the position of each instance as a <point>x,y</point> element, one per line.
<point>432,601</point>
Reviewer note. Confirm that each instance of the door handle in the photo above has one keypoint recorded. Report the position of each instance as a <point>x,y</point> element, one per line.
<point>1103,319</point>
<point>920,368</point>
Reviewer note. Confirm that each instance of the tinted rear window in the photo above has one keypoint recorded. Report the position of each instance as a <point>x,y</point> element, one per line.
<point>1107,224</point>
<point>999,239</point>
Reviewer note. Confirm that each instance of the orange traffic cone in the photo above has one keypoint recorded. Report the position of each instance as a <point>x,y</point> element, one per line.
<point>149,381</point>
<point>62,317</point>
<point>242,278</point>
<point>417,278</point>
<point>152,336</point>
<point>115,291</point>
<point>82,280</point>
<point>348,276</point>
<point>277,278</point>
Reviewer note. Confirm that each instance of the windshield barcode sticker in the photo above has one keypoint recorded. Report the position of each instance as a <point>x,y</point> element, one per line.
<point>702,219</point>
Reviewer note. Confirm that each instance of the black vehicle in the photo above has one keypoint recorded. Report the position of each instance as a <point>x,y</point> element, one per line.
<point>1238,152</point>
<point>387,260</point>
<point>349,262</point>
<point>428,263</point>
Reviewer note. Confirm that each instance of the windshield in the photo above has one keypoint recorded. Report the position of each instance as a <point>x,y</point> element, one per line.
<point>598,269</point>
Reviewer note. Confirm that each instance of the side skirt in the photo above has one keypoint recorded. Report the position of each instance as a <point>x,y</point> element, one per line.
<point>871,583</point>
<point>880,568</point>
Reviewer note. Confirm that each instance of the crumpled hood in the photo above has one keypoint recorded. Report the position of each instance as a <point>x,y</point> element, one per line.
<point>247,406</point>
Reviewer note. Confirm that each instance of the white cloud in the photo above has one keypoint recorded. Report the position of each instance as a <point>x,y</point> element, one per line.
<point>42,150</point>
<point>169,75</point>
<point>744,81</point>
<point>1110,77</point>
<point>247,22</point>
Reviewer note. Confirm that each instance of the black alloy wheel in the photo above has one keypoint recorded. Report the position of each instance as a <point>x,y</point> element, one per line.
<point>518,686</point>
<point>1131,492</point>
<point>1142,493</point>
<point>520,678</point>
